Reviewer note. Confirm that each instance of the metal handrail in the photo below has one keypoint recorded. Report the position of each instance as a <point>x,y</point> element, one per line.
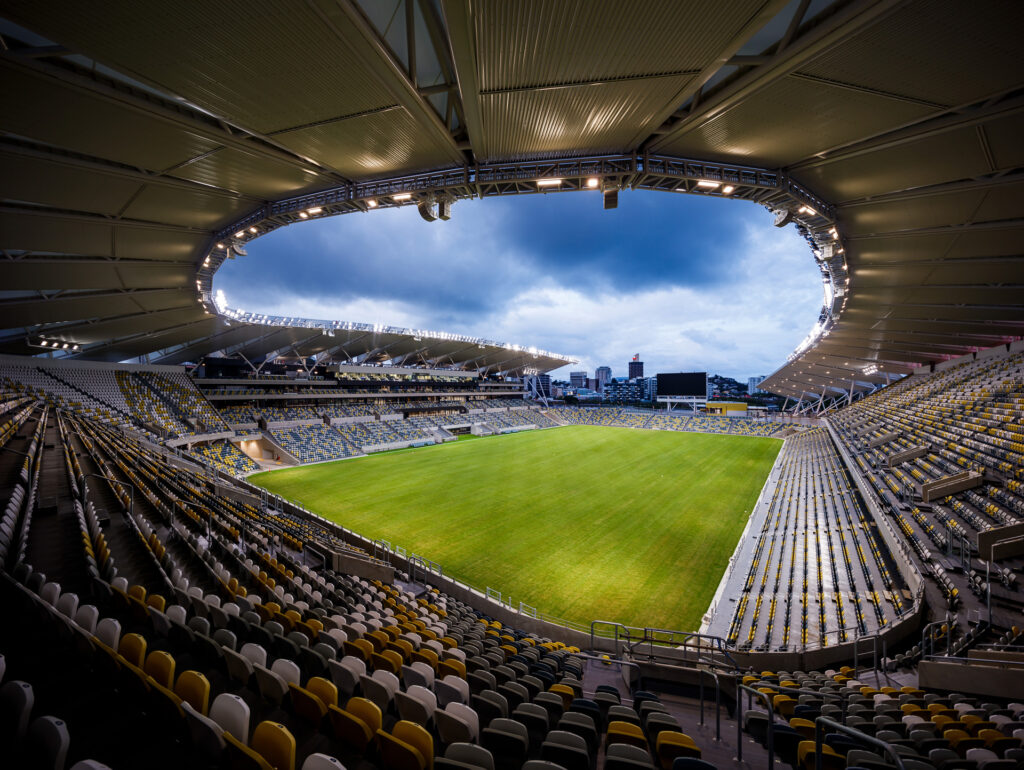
<point>718,700</point>
<point>928,641</point>
<point>739,722</point>
<point>632,641</point>
<point>821,722</point>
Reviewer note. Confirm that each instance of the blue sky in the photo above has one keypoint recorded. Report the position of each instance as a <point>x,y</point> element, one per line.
<point>690,283</point>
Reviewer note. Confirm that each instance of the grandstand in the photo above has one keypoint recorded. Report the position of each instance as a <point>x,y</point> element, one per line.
<point>162,612</point>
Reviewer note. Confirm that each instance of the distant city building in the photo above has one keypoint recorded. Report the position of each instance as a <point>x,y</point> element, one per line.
<point>602,374</point>
<point>752,385</point>
<point>591,384</point>
<point>578,379</point>
<point>537,385</point>
<point>621,391</point>
<point>636,368</point>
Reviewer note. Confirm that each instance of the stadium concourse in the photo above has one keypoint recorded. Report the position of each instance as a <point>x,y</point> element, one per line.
<point>160,611</point>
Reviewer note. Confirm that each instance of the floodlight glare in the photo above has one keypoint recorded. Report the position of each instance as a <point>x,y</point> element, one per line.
<point>240,233</point>
<point>303,215</point>
<point>314,210</point>
<point>401,196</point>
<point>707,184</point>
<point>548,182</point>
<point>727,190</point>
<point>592,182</point>
<point>253,230</point>
<point>371,203</point>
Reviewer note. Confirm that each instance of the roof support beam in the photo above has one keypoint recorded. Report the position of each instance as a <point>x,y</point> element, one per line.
<point>458,16</point>
<point>842,25</point>
<point>349,25</point>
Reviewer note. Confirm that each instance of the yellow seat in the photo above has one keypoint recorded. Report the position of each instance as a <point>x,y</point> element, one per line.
<point>388,660</point>
<point>240,755</point>
<point>160,666</point>
<point>451,666</point>
<point>426,655</point>
<point>194,689</point>
<point>402,647</point>
<point>275,744</point>
<point>671,744</point>
<point>137,592</point>
<point>565,692</point>
<point>830,758</point>
<point>803,726</point>
<point>324,689</point>
<point>307,705</point>
<point>784,705</point>
<point>396,754</point>
<point>416,736</point>
<point>157,602</point>
<point>132,648</point>
<point>378,639</point>
<point>626,732</point>
<point>359,648</point>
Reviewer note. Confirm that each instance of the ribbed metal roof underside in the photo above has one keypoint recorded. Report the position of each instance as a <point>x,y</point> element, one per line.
<point>129,137</point>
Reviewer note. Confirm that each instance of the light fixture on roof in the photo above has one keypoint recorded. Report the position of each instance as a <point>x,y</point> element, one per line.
<point>549,182</point>
<point>708,184</point>
<point>314,210</point>
<point>303,215</point>
<point>253,230</point>
<point>401,196</point>
<point>834,233</point>
<point>240,234</point>
<point>727,190</point>
<point>371,203</point>
<point>220,245</point>
<point>807,210</point>
<point>593,182</point>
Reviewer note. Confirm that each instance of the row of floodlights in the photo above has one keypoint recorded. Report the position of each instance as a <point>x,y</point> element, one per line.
<point>58,345</point>
<point>592,183</point>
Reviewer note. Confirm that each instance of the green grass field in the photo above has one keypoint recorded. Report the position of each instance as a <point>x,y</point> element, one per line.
<point>581,522</point>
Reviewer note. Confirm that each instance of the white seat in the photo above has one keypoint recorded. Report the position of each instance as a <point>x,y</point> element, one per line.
<point>50,593</point>
<point>255,653</point>
<point>177,613</point>
<point>377,691</point>
<point>86,618</point>
<point>272,686</point>
<point>16,701</point>
<point>467,715</point>
<point>67,605</point>
<point>207,735</point>
<point>287,670</point>
<point>452,728</point>
<point>108,631</point>
<point>322,762</point>
<point>451,689</point>
<point>232,714</point>
<point>48,743</point>
<point>470,754</point>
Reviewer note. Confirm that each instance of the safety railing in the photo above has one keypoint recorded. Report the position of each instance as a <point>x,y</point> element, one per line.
<point>752,693</point>
<point>819,734</point>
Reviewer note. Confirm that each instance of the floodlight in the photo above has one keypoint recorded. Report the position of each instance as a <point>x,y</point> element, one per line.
<point>401,196</point>
<point>314,210</point>
<point>727,190</point>
<point>303,215</point>
<point>371,203</point>
<point>593,182</point>
<point>707,184</point>
<point>548,182</point>
<point>253,230</point>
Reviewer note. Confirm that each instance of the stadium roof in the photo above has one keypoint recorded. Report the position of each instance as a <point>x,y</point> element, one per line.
<point>139,146</point>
